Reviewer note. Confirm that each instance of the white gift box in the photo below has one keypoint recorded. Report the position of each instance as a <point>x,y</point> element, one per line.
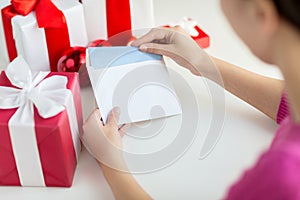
<point>30,40</point>
<point>141,12</point>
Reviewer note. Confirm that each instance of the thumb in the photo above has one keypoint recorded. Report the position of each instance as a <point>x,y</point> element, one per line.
<point>93,121</point>
<point>113,117</point>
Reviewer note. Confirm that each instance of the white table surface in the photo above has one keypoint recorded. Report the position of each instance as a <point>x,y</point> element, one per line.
<point>245,134</point>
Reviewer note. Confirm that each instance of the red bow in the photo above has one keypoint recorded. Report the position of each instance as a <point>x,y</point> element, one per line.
<point>47,14</point>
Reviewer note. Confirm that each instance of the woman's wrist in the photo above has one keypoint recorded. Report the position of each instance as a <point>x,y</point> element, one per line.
<point>113,174</point>
<point>116,166</point>
<point>208,67</point>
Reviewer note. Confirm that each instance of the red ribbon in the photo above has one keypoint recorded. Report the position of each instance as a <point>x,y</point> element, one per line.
<point>44,9</point>
<point>7,14</point>
<point>48,17</point>
<point>119,20</point>
<point>24,7</point>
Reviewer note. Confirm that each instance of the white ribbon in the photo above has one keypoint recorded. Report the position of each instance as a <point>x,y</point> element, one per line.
<point>50,96</point>
<point>188,25</point>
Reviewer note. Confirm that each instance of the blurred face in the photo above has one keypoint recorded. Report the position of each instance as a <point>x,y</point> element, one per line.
<point>251,21</point>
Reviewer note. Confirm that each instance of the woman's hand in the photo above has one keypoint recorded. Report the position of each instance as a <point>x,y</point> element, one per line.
<point>105,142</point>
<point>178,45</point>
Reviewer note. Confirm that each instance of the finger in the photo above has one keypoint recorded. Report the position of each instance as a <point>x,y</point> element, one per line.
<point>113,117</point>
<point>124,129</point>
<point>94,118</point>
<point>155,34</point>
<point>179,29</point>
<point>160,49</point>
<point>92,127</point>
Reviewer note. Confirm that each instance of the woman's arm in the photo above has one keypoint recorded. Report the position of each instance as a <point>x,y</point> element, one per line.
<point>123,185</point>
<point>261,92</point>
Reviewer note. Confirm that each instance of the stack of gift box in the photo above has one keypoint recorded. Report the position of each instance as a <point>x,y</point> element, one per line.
<point>40,105</point>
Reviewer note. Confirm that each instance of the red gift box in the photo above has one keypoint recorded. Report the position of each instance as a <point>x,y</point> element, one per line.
<point>191,27</point>
<point>56,135</point>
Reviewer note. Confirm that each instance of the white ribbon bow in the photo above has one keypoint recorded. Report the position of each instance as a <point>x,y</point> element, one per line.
<point>45,94</point>
<point>48,95</point>
<point>188,25</point>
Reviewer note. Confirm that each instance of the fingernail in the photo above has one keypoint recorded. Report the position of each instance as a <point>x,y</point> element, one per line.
<point>130,43</point>
<point>143,47</point>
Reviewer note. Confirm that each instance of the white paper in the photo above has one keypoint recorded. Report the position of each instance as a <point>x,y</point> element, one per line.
<point>142,89</point>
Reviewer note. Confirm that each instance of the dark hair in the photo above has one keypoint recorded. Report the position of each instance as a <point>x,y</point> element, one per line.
<point>289,10</point>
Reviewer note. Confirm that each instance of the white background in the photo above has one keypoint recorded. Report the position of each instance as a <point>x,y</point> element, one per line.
<point>246,132</point>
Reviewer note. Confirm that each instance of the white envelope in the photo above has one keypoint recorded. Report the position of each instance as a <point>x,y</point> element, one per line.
<point>136,82</point>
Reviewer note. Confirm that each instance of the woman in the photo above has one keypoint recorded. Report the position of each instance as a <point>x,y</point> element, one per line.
<point>271,29</point>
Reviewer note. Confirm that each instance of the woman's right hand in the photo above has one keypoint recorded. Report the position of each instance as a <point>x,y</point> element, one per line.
<point>178,45</point>
<point>104,142</point>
